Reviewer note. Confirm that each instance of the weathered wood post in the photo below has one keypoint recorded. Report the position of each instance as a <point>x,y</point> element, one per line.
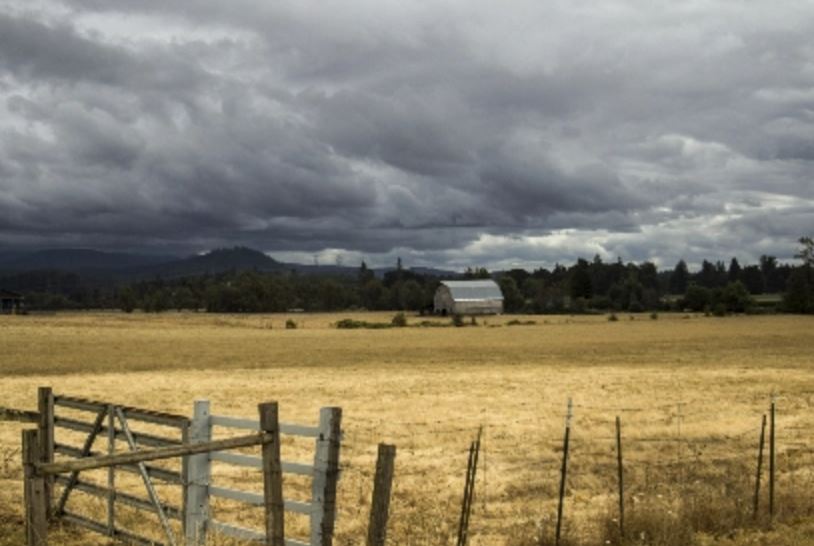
<point>380,504</point>
<point>772,457</point>
<point>34,491</point>
<point>111,471</point>
<point>198,472</point>
<point>759,466</point>
<point>469,490</point>
<point>564,470</point>
<point>272,475</point>
<point>45,407</point>
<point>462,531</point>
<point>620,470</point>
<point>326,477</point>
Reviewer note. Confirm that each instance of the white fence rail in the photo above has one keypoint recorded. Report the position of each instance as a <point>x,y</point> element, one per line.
<point>324,474</point>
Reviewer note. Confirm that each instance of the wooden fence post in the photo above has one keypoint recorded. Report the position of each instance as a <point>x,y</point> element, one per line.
<point>465,500</point>
<point>759,466</point>
<point>34,491</point>
<point>272,475</point>
<point>196,482</point>
<point>772,458</point>
<point>621,477</point>
<point>564,471</point>
<point>380,504</point>
<point>111,471</point>
<point>45,407</point>
<point>326,476</point>
<point>469,490</point>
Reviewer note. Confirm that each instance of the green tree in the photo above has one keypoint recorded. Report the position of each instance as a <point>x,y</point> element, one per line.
<point>680,278</point>
<point>183,298</point>
<point>771,276</point>
<point>806,253</point>
<point>697,298</point>
<point>736,297</point>
<point>513,300</point>
<point>364,275</point>
<point>127,299</point>
<point>580,285</point>
<point>412,295</point>
<point>371,294</point>
<point>734,272</point>
<point>798,296</point>
<point>477,273</point>
<point>752,277</point>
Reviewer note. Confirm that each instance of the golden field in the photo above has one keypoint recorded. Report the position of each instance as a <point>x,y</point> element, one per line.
<point>690,391</point>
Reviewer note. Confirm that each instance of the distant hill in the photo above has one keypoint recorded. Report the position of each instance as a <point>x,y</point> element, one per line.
<point>433,272</point>
<point>100,268</point>
<point>76,260</point>
<point>213,262</point>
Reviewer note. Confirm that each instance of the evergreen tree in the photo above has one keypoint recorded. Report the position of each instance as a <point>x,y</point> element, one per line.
<point>734,273</point>
<point>798,297</point>
<point>752,277</point>
<point>364,275</point>
<point>771,278</point>
<point>512,297</point>
<point>580,283</point>
<point>680,278</point>
<point>697,298</point>
<point>806,253</point>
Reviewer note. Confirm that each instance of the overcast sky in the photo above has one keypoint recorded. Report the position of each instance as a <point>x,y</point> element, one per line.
<point>451,133</point>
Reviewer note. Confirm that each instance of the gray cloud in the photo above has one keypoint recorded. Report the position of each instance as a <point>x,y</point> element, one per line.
<point>447,132</point>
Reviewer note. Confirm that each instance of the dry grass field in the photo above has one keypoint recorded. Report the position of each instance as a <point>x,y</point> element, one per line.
<point>690,391</point>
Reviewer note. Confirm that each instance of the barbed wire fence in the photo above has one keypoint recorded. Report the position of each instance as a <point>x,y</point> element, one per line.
<point>673,452</point>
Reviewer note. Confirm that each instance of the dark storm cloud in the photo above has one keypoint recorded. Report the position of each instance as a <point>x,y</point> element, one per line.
<point>443,132</point>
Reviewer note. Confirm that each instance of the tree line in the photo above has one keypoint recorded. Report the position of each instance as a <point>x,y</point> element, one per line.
<point>584,286</point>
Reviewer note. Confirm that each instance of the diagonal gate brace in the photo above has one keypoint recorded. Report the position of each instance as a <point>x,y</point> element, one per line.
<point>146,479</point>
<point>86,449</point>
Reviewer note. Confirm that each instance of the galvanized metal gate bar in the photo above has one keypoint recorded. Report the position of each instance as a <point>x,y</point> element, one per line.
<point>148,484</point>
<point>86,449</point>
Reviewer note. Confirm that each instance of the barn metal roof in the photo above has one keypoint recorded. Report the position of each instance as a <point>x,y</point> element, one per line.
<point>474,290</point>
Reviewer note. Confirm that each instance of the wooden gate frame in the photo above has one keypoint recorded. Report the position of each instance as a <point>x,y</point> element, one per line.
<point>38,473</point>
<point>112,421</point>
<point>321,507</point>
<point>195,474</point>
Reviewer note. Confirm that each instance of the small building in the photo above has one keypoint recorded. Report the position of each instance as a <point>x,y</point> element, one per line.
<point>11,303</point>
<point>479,297</point>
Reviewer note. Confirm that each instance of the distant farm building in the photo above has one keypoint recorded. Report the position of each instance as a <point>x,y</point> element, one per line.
<point>11,303</point>
<point>481,297</point>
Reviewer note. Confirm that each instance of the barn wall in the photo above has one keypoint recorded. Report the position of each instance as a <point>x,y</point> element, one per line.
<point>487,307</point>
<point>443,301</point>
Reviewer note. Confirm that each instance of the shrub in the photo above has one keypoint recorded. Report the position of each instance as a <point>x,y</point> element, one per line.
<point>290,324</point>
<point>515,322</point>
<point>719,310</point>
<point>635,307</point>
<point>350,324</point>
<point>654,316</point>
<point>612,317</point>
<point>432,324</point>
<point>399,320</point>
<point>697,298</point>
<point>458,320</point>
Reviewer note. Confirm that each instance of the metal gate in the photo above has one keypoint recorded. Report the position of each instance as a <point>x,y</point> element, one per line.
<point>111,425</point>
<point>78,428</point>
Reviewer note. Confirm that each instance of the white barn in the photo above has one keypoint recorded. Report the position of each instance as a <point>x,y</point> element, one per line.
<point>480,297</point>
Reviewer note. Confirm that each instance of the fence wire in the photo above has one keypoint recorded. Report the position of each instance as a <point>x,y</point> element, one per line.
<point>666,447</point>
